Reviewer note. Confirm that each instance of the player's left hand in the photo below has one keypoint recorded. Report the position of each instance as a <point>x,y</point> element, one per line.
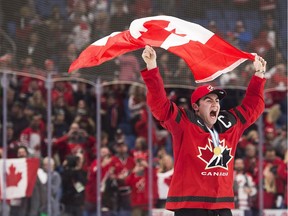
<point>260,66</point>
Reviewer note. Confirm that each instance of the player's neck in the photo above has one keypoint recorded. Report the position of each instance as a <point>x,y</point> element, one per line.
<point>210,126</point>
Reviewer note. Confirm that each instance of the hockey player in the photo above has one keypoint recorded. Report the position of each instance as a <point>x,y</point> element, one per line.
<point>204,140</point>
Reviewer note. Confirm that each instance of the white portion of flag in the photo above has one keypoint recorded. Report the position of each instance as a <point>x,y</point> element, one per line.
<point>21,174</point>
<point>192,31</point>
<point>18,190</point>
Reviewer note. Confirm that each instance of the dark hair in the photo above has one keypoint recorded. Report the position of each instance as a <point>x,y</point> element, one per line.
<point>23,147</point>
<point>270,148</point>
<point>72,161</point>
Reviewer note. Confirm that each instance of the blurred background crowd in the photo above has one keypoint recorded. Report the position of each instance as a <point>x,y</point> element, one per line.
<point>42,37</point>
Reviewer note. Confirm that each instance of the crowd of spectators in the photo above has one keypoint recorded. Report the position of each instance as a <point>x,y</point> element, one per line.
<point>50,34</point>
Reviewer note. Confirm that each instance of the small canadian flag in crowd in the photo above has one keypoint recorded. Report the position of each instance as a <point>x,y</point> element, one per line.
<point>21,176</point>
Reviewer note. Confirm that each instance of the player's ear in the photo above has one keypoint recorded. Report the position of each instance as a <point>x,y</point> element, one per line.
<point>195,107</point>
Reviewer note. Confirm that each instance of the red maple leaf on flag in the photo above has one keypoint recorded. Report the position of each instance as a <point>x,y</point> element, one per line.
<point>13,177</point>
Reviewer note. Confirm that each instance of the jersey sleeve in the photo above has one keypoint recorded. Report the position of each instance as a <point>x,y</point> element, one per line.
<point>253,103</point>
<point>157,100</point>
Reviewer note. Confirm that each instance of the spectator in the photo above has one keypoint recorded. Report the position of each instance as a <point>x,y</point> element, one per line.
<point>33,48</point>
<point>141,125</point>
<point>45,9</point>
<point>84,118</point>
<point>69,54</point>
<point>278,76</point>
<point>231,38</point>
<point>138,181</point>
<point>74,178</point>
<point>159,136</point>
<point>251,137</point>
<point>91,189</point>
<point>48,163</point>
<point>269,26</point>
<point>100,6</point>
<point>124,164</point>
<point>229,79</point>
<point>28,84</point>
<point>6,58</point>
<point>33,135</point>
<point>50,67</point>
<point>60,105</point>
<point>282,172</point>
<point>260,44</point>
<point>65,90</point>
<point>84,94</point>
<point>120,18</point>
<point>80,10</point>
<point>112,115</point>
<point>182,102</point>
<point>269,136</point>
<point>11,14</point>
<point>271,164</point>
<point>129,66</point>
<point>105,140</point>
<point>12,142</point>
<point>11,97</point>
<point>212,26</point>
<point>33,205</point>
<point>55,28</point>
<point>244,188</point>
<point>60,126</point>
<point>251,161</point>
<point>270,118</point>
<point>140,147</point>
<point>140,8</point>
<point>81,33</point>
<point>165,66</point>
<point>183,74</point>
<point>243,36</point>
<point>119,138</point>
<point>38,102</point>
<point>76,140</point>
<point>164,176</point>
<point>100,26</point>
<point>136,101</point>
<point>280,142</point>
<point>17,118</point>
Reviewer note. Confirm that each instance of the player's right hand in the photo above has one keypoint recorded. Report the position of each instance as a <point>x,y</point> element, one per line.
<point>149,56</point>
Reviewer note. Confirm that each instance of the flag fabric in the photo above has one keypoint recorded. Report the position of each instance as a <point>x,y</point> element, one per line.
<point>207,55</point>
<point>21,174</point>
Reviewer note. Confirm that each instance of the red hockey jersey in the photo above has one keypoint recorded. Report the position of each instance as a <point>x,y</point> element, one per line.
<point>202,179</point>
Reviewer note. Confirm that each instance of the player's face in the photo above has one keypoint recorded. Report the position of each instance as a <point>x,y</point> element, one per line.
<point>208,109</point>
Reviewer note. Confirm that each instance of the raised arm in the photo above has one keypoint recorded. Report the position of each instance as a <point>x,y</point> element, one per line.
<point>156,95</point>
<point>253,103</point>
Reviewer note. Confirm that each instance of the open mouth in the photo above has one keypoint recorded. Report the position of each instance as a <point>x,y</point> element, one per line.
<point>213,114</point>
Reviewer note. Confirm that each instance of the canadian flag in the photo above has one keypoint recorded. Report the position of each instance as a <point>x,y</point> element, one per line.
<point>21,176</point>
<point>207,55</point>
